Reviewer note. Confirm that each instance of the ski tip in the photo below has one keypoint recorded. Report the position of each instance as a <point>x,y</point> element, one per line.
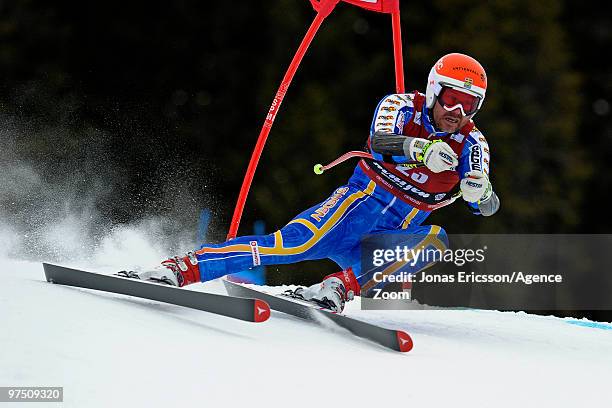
<point>404,341</point>
<point>261,311</point>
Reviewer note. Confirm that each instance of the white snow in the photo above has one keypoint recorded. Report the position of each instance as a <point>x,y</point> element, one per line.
<point>112,350</point>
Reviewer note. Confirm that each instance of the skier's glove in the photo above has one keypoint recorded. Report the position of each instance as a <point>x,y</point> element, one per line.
<point>436,154</point>
<point>476,187</point>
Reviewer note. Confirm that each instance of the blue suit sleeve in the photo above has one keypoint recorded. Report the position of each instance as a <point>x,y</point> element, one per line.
<point>391,114</point>
<point>474,156</point>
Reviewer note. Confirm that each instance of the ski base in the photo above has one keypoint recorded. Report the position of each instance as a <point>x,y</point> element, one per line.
<point>394,339</point>
<point>247,309</point>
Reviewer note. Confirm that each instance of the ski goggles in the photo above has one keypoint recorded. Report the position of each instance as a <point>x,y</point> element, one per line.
<point>451,99</point>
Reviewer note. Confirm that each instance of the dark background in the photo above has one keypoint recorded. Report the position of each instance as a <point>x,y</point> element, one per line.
<point>157,106</point>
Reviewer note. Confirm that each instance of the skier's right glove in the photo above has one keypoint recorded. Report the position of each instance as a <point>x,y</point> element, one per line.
<point>436,155</point>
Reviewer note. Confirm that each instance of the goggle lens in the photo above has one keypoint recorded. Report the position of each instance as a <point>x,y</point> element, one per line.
<point>450,98</point>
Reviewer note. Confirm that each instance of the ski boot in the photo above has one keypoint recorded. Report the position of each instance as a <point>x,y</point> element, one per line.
<point>174,271</point>
<point>332,293</point>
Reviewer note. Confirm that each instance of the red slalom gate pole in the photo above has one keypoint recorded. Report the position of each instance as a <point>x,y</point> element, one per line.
<point>323,8</point>
<point>397,47</point>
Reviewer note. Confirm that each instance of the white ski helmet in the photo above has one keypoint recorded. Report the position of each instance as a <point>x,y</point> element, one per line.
<point>457,71</point>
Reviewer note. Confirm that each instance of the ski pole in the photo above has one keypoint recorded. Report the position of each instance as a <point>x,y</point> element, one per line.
<point>319,168</point>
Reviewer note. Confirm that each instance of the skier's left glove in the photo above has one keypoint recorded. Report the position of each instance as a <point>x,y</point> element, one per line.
<point>476,187</point>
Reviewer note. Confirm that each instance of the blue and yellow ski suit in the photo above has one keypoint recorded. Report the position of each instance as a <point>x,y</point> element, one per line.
<point>383,195</point>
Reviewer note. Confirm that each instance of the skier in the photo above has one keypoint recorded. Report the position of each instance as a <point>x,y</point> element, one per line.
<point>427,152</point>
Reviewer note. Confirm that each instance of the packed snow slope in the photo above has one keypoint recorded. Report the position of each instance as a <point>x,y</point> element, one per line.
<point>112,350</point>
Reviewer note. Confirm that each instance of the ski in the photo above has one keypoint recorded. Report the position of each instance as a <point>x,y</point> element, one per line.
<point>247,309</point>
<point>394,339</point>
